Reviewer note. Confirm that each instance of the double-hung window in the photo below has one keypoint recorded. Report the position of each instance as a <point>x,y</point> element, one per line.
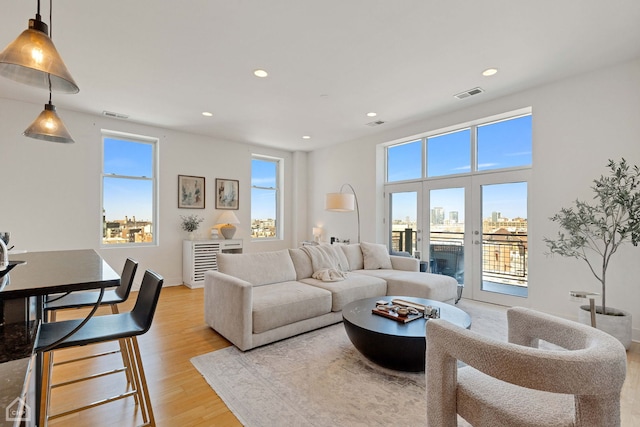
<point>129,182</point>
<point>265,197</point>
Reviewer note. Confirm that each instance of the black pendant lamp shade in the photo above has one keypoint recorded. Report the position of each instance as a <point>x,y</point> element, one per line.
<point>32,58</point>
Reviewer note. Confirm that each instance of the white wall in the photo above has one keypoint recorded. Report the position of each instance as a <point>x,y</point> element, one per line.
<point>578,124</point>
<point>50,193</point>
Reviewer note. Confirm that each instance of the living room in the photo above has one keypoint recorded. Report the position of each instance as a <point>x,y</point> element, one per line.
<point>52,200</point>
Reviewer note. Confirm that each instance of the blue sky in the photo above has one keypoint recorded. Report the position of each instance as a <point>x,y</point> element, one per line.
<point>130,197</point>
<point>263,174</point>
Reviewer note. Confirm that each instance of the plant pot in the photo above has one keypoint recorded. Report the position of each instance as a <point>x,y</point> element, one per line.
<point>615,322</point>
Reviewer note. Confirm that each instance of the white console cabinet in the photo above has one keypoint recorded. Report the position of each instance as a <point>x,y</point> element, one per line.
<point>199,256</point>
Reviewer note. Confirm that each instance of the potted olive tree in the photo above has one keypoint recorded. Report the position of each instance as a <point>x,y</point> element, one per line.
<point>593,232</point>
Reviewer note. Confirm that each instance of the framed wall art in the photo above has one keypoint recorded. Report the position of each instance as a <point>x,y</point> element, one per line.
<point>191,192</point>
<point>227,193</point>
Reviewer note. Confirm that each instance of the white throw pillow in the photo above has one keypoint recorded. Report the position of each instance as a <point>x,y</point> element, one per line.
<point>375,256</point>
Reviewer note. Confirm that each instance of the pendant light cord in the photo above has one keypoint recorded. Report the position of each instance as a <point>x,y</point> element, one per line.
<point>50,36</point>
<point>50,18</point>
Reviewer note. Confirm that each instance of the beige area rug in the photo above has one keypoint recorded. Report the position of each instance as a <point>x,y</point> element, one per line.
<point>319,379</point>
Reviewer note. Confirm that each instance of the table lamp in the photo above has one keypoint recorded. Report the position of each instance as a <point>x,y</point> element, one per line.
<point>227,219</point>
<point>317,233</point>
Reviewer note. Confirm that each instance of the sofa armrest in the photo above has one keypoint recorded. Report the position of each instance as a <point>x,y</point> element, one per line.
<point>228,306</point>
<point>404,263</point>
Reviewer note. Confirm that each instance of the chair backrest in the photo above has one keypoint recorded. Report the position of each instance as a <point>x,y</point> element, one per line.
<point>592,369</point>
<point>126,278</point>
<point>147,300</point>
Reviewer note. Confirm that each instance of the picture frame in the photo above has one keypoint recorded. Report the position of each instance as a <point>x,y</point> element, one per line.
<point>191,192</point>
<point>227,193</point>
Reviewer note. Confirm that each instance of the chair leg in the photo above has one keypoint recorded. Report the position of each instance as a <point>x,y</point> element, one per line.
<point>46,388</point>
<point>138,386</point>
<point>460,289</point>
<point>124,353</point>
<point>143,380</point>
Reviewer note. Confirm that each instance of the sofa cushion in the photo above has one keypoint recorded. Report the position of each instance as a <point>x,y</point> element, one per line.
<point>353,253</point>
<point>288,302</point>
<point>437,287</point>
<point>375,256</point>
<point>259,268</point>
<point>352,288</point>
<point>302,263</point>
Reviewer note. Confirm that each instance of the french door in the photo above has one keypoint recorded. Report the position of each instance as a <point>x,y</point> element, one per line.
<point>471,228</point>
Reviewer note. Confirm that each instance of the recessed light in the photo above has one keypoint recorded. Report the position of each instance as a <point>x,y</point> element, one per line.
<point>489,72</point>
<point>372,114</point>
<point>207,114</point>
<point>260,73</point>
<point>306,137</point>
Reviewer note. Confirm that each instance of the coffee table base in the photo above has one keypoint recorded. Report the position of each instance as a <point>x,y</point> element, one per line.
<point>393,352</point>
<point>394,345</point>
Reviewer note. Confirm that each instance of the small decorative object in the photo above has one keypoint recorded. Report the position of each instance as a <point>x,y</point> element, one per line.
<point>594,232</point>
<point>227,219</point>
<point>402,311</point>
<point>191,192</point>
<point>191,223</point>
<point>431,312</point>
<point>227,194</point>
<point>214,234</point>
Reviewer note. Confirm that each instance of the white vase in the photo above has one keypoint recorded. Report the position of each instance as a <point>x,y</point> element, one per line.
<point>618,324</point>
<point>192,235</point>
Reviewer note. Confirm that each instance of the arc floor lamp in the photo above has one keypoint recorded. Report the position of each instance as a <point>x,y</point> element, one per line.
<point>343,202</point>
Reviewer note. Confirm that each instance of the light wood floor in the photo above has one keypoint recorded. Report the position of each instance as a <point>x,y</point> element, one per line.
<point>180,396</point>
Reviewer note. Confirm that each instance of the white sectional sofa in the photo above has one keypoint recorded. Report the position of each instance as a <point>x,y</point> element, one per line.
<point>258,298</point>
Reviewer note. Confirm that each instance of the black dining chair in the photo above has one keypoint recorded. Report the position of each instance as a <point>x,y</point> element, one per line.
<point>98,329</point>
<point>111,297</point>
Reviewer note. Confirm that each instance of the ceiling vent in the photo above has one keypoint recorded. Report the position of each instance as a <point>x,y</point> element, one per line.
<point>375,123</point>
<point>115,115</point>
<point>468,93</point>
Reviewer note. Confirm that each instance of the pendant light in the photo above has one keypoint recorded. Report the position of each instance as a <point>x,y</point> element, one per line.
<point>32,59</point>
<point>48,126</point>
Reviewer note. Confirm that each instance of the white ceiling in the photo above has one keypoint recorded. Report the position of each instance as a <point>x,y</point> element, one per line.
<point>330,62</point>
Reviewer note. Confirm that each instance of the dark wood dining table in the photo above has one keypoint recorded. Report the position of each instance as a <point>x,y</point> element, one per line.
<point>22,296</point>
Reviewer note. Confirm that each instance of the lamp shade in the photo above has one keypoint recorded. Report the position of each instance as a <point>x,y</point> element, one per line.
<point>48,127</point>
<point>228,217</point>
<point>32,59</point>
<point>340,202</point>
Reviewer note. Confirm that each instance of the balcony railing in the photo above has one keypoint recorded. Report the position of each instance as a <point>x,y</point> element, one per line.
<point>504,256</point>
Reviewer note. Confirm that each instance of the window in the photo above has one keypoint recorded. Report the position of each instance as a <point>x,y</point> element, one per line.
<point>504,144</point>
<point>128,189</point>
<point>265,197</point>
<point>449,153</point>
<point>497,143</point>
<point>404,161</point>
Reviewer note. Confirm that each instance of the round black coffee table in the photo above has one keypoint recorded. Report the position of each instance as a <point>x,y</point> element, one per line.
<point>394,345</point>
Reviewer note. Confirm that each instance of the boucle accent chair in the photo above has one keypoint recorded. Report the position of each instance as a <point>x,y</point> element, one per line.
<point>517,384</point>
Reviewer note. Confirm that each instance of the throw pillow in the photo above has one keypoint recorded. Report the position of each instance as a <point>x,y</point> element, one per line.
<point>376,256</point>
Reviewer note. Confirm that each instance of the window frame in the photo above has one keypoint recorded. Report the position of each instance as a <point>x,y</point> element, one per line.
<point>140,139</point>
<point>278,191</point>
<point>472,126</point>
